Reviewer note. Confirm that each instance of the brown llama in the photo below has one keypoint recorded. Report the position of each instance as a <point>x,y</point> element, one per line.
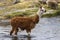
<point>24,23</point>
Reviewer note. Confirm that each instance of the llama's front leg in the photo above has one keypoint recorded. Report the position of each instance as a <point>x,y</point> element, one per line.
<point>28,31</point>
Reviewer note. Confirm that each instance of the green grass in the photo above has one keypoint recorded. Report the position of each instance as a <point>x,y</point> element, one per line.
<point>26,13</point>
<point>2,4</point>
<point>57,13</point>
<point>17,6</point>
<point>24,5</point>
<point>32,11</point>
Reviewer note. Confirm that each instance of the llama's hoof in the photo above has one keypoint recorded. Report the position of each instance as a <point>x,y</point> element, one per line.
<point>14,35</point>
<point>10,34</point>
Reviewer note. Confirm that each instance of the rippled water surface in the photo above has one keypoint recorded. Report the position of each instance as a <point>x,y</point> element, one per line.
<point>46,29</point>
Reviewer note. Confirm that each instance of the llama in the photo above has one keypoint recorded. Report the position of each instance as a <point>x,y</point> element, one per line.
<point>23,23</point>
<point>26,23</point>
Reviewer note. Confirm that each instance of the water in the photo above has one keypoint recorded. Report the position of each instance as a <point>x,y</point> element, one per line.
<point>46,29</point>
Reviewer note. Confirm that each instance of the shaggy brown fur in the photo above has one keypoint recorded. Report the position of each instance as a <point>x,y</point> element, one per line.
<point>24,23</point>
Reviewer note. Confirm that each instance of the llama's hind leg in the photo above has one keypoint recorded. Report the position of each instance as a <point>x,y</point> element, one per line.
<point>16,30</point>
<point>28,31</point>
<point>12,30</point>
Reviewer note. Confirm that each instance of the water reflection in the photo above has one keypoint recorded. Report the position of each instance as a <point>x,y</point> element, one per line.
<point>22,38</point>
<point>15,38</point>
<point>28,38</point>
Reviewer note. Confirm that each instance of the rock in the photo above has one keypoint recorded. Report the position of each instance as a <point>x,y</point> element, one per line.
<point>52,4</point>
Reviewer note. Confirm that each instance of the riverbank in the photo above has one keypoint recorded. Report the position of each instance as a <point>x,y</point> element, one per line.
<point>48,13</point>
<point>28,11</point>
<point>52,14</point>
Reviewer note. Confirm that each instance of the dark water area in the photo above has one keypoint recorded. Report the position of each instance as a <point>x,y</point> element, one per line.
<point>46,29</point>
